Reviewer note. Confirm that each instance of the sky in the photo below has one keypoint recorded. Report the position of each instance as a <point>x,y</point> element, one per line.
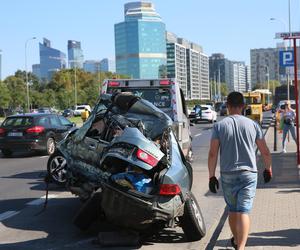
<point>231,27</point>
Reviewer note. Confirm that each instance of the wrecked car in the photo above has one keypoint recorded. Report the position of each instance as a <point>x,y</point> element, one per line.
<point>125,161</point>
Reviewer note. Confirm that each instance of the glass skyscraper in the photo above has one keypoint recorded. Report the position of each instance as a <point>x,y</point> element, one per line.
<point>75,54</point>
<point>36,70</point>
<point>107,65</point>
<point>51,60</point>
<point>140,42</point>
<point>91,66</point>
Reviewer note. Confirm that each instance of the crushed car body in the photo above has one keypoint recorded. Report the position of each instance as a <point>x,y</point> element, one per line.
<point>126,154</point>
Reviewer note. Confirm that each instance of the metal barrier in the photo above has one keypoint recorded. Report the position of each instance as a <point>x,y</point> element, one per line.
<point>275,135</point>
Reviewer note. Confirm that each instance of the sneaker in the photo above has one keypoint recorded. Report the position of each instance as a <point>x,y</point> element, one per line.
<point>283,151</point>
<point>233,243</point>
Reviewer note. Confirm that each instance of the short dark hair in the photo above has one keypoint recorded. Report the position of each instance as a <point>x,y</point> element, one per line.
<point>235,99</point>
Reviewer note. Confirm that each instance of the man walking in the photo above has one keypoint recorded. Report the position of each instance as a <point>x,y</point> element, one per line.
<point>236,137</point>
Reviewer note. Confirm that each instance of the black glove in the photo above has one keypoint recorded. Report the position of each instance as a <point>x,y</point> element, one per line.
<point>213,184</point>
<point>267,175</point>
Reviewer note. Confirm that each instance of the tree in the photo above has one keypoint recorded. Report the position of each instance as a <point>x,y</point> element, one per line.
<point>4,95</point>
<point>58,92</point>
<point>214,89</point>
<point>17,91</point>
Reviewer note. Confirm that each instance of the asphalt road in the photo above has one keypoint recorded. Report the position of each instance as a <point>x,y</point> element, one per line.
<point>22,226</point>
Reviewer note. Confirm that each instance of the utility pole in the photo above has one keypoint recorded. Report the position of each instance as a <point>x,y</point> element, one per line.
<point>26,74</point>
<point>219,85</point>
<point>215,83</point>
<point>290,41</point>
<point>210,88</point>
<point>0,64</point>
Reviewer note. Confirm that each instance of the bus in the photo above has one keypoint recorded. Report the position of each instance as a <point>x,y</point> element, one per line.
<point>253,106</point>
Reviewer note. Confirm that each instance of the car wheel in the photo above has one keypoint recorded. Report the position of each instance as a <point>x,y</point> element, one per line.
<point>51,146</point>
<point>56,167</point>
<point>6,152</point>
<point>192,221</point>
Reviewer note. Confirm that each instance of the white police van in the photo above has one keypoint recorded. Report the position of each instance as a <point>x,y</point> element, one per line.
<point>166,95</point>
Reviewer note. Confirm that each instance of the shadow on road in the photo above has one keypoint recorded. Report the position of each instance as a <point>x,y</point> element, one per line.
<point>165,236</point>
<point>38,183</point>
<point>54,229</point>
<point>23,154</point>
<point>283,238</point>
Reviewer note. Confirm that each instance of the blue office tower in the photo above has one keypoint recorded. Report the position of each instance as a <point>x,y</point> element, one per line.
<point>51,60</point>
<point>107,65</point>
<point>75,54</point>
<point>140,42</point>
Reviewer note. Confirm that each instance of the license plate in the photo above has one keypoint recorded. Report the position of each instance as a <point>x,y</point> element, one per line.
<point>17,134</point>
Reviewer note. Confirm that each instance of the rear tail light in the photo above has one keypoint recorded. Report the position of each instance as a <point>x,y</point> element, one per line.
<point>145,157</point>
<point>169,189</point>
<point>2,131</point>
<point>35,129</point>
<point>164,82</point>
<point>113,84</point>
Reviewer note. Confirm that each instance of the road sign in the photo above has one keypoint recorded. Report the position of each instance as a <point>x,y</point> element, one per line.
<point>286,58</point>
<point>283,35</point>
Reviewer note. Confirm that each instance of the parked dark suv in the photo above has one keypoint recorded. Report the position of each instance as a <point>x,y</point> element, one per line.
<point>32,132</point>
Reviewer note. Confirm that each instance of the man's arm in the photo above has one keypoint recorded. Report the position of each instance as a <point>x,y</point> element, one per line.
<point>213,156</point>
<point>265,153</point>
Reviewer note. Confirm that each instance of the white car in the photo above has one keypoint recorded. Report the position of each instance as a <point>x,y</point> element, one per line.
<point>208,113</point>
<point>80,108</point>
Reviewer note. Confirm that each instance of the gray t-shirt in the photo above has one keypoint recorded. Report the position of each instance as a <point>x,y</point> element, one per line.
<point>237,135</point>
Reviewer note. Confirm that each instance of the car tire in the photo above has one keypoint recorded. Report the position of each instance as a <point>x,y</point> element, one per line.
<point>6,152</point>
<point>56,168</point>
<point>50,146</point>
<point>192,221</point>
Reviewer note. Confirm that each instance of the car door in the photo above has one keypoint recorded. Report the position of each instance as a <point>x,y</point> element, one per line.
<point>55,128</point>
<point>89,149</point>
<point>186,133</point>
<point>65,126</point>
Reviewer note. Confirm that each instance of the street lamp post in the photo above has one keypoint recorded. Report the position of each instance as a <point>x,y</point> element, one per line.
<point>285,48</point>
<point>75,83</point>
<point>26,75</point>
<point>268,78</point>
<point>0,64</point>
<point>74,65</point>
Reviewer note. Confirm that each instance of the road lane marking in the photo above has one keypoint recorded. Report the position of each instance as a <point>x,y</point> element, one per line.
<point>198,135</point>
<point>41,200</point>
<point>44,156</point>
<point>8,214</point>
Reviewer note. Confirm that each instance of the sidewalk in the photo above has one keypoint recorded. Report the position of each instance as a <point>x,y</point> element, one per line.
<point>275,218</point>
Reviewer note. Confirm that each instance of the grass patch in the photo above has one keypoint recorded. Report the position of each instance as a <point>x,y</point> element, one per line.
<point>76,119</point>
